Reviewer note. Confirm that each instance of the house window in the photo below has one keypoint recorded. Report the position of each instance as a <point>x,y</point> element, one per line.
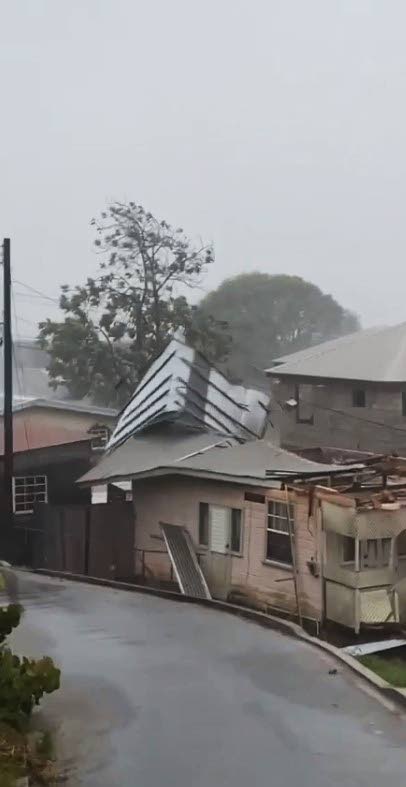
<point>358,397</point>
<point>304,409</point>
<point>100,435</point>
<point>204,524</point>
<point>348,549</point>
<point>278,543</point>
<point>27,491</point>
<point>235,529</point>
<point>374,552</point>
<point>404,403</point>
<point>401,544</point>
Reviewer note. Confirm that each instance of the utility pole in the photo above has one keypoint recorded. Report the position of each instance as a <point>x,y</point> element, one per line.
<point>8,387</point>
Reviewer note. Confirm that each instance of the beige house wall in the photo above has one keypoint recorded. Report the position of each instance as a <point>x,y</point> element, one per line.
<point>253,579</point>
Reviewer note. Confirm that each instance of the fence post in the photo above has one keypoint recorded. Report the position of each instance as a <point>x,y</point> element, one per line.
<point>87,539</point>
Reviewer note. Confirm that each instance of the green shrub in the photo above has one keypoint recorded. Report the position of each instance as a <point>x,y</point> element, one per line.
<point>23,682</point>
<point>10,617</point>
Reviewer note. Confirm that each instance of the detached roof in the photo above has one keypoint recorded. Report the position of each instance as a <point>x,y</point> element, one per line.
<point>373,355</point>
<point>206,455</point>
<point>181,385</point>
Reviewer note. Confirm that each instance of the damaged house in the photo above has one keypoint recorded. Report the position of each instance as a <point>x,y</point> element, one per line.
<point>222,509</point>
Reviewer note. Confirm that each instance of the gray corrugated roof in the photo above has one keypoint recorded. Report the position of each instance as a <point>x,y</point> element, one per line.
<point>80,406</point>
<point>148,452</point>
<point>207,455</point>
<point>30,376</point>
<point>374,355</point>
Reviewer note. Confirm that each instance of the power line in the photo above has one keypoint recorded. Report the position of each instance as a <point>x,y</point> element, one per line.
<point>282,405</point>
<point>36,292</point>
<point>29,322</point>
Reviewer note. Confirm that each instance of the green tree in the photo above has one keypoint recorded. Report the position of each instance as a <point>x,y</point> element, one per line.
<point>268,316</point>
<point>117,322</point>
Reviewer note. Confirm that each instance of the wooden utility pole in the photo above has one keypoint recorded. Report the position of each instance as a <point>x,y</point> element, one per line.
<point>8,387</point>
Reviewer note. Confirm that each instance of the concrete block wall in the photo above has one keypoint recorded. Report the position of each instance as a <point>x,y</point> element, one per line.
<point>350,429</point>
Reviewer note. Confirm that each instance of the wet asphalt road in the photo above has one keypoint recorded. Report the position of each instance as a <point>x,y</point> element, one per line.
<point>162,693</point>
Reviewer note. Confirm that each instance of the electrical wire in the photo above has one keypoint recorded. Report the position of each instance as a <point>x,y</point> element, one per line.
<point>28,322</point>
<point>282,405</point>
<point>36,292</point>
<point>370,421</point>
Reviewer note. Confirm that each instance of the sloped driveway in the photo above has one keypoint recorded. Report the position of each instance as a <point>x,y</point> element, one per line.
<point>157,693</point>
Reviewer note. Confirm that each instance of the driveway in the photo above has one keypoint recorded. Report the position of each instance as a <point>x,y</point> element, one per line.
<point>157,693</point>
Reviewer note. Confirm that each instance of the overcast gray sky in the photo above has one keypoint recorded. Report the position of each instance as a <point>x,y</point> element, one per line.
<point>274,128</point>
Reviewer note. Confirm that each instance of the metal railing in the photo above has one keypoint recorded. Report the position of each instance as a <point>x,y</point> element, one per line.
<point>147,574</point>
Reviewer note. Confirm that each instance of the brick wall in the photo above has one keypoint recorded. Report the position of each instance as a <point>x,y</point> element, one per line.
<point>262,584</point>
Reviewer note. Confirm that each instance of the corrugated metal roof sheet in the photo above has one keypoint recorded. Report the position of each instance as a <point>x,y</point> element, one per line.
<point>374,355</point>
<point>204,454</point>
<point>69,405</point>
<point>31,382</point>
<point>149,451</point>
<point>181,385</point>
<point>30,376</point>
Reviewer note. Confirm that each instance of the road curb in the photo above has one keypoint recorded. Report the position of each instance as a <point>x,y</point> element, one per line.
<point>287,627</point>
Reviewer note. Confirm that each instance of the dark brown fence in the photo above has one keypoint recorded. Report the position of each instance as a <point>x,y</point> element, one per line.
<point>97,540</point>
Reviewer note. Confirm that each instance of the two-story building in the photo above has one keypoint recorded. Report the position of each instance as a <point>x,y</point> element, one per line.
<point>346,393</point>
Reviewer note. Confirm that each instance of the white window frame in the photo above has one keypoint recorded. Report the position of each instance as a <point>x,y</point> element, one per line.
<point>276,518</point>
<point>34,487</point>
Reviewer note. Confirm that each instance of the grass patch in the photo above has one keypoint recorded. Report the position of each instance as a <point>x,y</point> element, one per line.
<point>24,754</point>
<point>391,670</point>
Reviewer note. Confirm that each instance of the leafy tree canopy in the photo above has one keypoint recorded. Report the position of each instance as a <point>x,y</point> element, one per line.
<point>117,322</point>
<point>268,316</point>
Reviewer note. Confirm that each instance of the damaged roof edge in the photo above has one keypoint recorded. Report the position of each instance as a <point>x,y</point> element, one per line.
<point>275,476</point>
<point>173,470</point>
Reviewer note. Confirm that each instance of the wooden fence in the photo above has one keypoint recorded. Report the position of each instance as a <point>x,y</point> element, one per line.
<point>95,540</point>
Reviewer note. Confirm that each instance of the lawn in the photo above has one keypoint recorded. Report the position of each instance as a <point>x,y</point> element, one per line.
<point>391,670</point>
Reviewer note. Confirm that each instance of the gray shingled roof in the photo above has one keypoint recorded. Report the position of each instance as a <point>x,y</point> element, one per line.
<point>373,355</point>
<point>206,455</point>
